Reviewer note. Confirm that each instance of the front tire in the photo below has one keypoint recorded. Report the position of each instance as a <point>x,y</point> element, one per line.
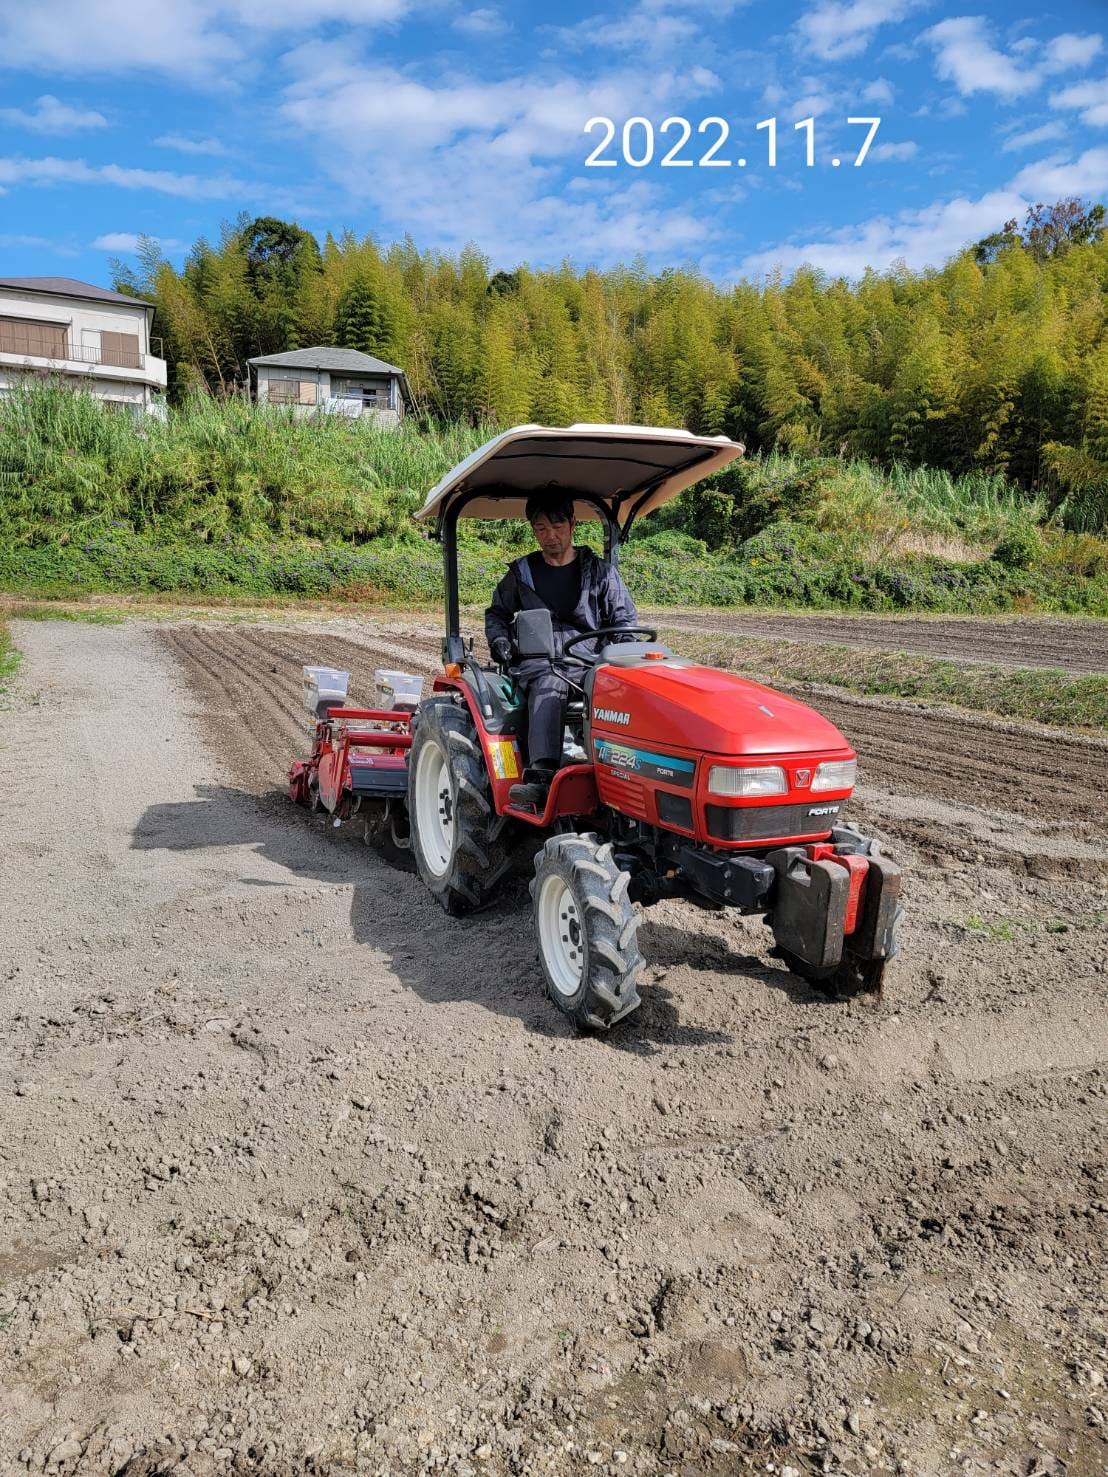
<point>455,834</point>
<point>586,926</point>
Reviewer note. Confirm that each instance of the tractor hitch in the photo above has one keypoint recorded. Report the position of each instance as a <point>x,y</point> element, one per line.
<point>740,882</point>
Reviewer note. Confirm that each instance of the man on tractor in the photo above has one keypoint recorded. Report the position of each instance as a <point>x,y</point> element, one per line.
<point>583,593</point>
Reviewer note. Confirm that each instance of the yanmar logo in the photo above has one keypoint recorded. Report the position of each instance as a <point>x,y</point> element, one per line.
<point>610,715</point>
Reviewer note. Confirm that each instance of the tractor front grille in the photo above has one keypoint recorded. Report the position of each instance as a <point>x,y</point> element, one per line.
<point>771,822</point>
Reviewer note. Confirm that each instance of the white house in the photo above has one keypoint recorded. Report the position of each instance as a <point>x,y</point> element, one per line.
<point>90,337</point>
<point>339,381</point>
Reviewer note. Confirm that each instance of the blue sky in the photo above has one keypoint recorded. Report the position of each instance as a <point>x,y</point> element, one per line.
<point>456,123</point>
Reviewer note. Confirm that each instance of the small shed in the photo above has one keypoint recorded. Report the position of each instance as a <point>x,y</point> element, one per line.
<point>323,381</point>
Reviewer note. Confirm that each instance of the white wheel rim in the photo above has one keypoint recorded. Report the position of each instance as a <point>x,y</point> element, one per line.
<point>561,936</point>
<point>434,799</point>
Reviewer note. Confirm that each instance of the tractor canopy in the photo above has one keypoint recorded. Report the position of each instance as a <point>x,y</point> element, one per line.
<point>615,473</point>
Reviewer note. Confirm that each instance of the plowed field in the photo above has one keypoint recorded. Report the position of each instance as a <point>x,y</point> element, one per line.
<point>1014,641</point>
<point>299,1175</point>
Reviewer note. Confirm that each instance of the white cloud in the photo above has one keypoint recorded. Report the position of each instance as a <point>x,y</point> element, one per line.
<point>77,36</point>
<point>201,41</point>
<point>116,241</point>
<point>1090,98</point>
<point>185,145</point>
<point>39,243</point>
<point>496,152</point>
<point>879,91</point>
<point>482,22</point>
<point>965,55</point>
<point>1068,51</point>
<point>296,15</point>
<point>927,237</point>
<point>918,237</point>
<point>128,241</point>
<point>651,27</point>
<point>1058,178</point>
<point>1032,137</point>
<point>835,29</point>
<point>50,115</point>
<point>883,153</point>
<point>52,171</point>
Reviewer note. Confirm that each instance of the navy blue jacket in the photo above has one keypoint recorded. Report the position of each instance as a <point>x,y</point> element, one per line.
<point>604,601</point>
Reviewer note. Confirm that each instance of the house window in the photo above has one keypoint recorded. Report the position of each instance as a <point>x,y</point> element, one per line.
<point>120,349</point>
<point>307,392</point>
<point>41,340</point>
<point>283,392</point>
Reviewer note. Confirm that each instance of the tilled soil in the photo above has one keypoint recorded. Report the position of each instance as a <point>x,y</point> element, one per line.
<point>1067,644</point>
<point>1035,772</point>
<point>300,1175</point>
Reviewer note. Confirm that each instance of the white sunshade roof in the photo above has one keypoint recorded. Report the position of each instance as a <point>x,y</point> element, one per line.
<point>618,464</point>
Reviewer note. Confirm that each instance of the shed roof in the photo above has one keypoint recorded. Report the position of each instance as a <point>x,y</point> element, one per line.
<point>350,361</point>
<point>70,287</point>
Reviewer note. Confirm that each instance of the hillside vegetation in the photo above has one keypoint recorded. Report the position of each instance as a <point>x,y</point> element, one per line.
<point>233,498</point>
<point>996,363</point>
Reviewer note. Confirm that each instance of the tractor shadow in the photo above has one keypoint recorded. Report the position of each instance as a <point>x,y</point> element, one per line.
<point>676,948</point>
<point>487,960</point>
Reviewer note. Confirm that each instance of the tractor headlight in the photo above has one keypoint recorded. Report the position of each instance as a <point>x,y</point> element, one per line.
<point>763,779</point>
<point>835,774</point>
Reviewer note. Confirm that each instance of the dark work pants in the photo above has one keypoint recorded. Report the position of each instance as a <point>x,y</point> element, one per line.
<point>546,694</point>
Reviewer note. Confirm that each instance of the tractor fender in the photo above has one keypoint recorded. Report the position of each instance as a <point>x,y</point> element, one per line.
<point>501,753</point>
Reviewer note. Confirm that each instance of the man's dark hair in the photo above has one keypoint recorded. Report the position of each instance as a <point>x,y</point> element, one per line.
<point>553,504</point>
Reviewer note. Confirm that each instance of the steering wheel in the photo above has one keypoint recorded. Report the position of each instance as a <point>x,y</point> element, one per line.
<point>649,632</point>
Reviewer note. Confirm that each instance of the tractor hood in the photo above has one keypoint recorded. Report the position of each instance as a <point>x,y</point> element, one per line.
<point>628,469</point>
<point>706,711</point>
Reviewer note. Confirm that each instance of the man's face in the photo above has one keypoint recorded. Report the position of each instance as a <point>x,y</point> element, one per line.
<point>554,534</point>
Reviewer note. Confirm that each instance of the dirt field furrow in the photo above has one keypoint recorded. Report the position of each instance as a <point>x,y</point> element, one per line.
<point>978,762</point>
<point>300,1177</point>
<point>974,761</point>
<point>1070,645</point>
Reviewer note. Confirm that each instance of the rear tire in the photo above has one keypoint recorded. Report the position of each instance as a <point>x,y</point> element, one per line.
<point>586,926</point>
<point>458,841</point>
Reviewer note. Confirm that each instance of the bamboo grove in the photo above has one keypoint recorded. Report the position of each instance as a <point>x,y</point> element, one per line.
<point>995,362</point>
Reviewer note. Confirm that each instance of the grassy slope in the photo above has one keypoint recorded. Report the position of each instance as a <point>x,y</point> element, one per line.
<point>231,499</point>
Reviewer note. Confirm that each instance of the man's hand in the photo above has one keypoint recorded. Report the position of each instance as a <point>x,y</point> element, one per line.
<point>501,650</point>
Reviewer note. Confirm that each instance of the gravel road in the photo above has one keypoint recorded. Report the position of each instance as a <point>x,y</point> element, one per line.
<point>300,1176</point>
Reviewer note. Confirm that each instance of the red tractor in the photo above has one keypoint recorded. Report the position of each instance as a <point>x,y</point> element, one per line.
<point>677,780</point>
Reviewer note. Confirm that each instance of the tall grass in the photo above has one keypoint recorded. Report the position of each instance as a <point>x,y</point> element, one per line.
<point>69,469</point>
<point>882,502</point>
<point>9,657</point>
<point>228,495</point>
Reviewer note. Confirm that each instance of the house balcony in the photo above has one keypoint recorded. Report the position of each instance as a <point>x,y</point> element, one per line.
<point>48,357</point>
